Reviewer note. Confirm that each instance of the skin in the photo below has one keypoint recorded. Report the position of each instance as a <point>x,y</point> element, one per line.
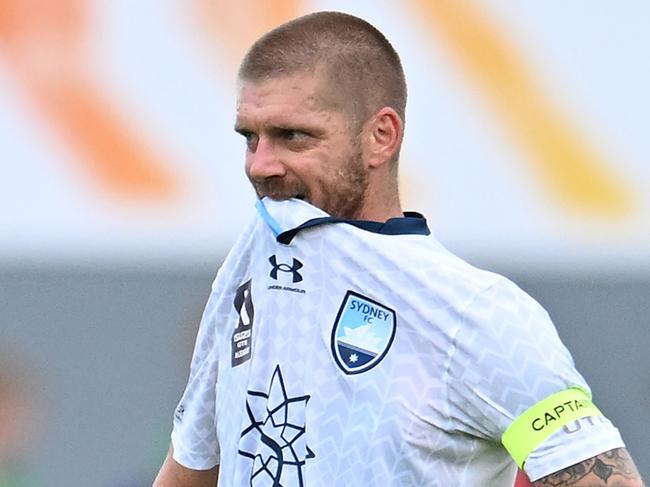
<point>299,146</point>
<point>173,474</point>
<point>614,468</point>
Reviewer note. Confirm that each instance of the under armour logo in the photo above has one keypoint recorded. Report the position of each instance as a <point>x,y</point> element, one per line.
<point>285,268</point>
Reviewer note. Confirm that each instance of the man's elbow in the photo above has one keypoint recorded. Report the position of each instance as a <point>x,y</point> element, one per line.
<point>173,474</point>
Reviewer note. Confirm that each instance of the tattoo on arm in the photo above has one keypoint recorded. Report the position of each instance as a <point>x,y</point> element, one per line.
<point>614,468</point>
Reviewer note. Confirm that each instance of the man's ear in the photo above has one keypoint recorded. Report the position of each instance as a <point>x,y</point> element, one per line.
<point>383,136</point>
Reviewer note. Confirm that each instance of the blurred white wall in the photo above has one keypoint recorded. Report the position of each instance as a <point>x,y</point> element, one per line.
<point>525,141</point>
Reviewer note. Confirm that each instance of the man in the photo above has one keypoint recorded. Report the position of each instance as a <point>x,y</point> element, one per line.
<point>342,344</point>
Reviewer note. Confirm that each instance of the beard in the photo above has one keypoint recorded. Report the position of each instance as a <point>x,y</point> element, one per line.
<point>341,194</point>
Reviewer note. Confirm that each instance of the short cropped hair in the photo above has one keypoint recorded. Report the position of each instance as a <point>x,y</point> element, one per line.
<point>361,68</point>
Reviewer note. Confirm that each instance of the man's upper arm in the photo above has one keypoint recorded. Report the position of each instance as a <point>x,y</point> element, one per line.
<point>614,468</point>
<point>173,474</point>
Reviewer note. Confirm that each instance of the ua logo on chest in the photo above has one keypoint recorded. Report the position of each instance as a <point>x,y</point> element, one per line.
<point>293,269</point>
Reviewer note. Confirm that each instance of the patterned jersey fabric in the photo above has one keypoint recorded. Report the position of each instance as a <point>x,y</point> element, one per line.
<point>336,353</point>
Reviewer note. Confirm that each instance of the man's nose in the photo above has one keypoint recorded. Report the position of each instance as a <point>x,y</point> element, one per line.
<point>264,162</point>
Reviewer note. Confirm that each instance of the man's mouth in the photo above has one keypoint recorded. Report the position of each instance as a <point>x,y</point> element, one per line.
<point>280,192</point>
<point>282,196</point>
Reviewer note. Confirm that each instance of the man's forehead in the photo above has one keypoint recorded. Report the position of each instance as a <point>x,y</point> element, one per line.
<point>301,93</point>
<point>300,84</point>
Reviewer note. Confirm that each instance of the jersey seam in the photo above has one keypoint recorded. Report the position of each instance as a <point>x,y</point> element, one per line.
<point>454,335</point>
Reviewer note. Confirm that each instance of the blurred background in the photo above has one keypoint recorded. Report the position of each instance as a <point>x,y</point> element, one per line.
<point>122,189</point>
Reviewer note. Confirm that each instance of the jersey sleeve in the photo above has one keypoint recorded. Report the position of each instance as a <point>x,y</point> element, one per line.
<point>194,434</point>
<point>194,437</point>
<point>510,374</point>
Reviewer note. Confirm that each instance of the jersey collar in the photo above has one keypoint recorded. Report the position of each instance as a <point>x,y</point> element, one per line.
<point>287,218</point>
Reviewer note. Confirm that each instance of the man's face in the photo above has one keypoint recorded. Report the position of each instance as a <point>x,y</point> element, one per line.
<point>297,147</point>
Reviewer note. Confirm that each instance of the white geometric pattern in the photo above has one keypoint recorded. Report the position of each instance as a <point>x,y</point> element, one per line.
<point>471,352</point>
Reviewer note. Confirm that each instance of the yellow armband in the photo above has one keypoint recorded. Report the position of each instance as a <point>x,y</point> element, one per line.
<point>539,422</point>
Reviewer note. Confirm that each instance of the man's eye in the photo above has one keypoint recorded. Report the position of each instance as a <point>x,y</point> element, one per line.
<point>291,134</point>
<point>251,140</point>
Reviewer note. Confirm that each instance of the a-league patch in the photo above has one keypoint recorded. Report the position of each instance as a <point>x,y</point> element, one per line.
<point>362,334</point>
<point>242,336</point>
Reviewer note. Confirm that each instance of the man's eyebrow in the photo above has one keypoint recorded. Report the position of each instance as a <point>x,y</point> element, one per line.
<point>277,127</point>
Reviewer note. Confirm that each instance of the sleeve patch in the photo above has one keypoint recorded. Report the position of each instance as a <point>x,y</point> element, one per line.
<point>537,423</point>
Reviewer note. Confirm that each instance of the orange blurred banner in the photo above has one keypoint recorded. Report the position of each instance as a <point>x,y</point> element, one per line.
<point>46,46</point>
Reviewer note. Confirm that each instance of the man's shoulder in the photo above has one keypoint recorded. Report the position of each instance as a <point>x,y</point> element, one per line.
<point>446,269</point>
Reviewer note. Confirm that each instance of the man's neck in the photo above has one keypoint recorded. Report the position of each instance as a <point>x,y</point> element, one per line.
<point>382,210</point>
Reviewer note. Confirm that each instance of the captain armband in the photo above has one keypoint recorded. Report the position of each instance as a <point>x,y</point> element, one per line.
<point>543,419</point>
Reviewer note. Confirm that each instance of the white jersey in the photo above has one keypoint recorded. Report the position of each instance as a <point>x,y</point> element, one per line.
<point>337,353</point>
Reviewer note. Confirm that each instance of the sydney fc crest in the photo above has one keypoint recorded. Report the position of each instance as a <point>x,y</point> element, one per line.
<point>363,332</point>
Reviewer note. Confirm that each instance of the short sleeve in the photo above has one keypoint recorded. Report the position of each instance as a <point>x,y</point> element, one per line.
<point>508,358</point>
<point>194,436</point>
<point>577,441</point>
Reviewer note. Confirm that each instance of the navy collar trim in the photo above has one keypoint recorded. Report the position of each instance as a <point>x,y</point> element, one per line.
<point>412,223</point>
